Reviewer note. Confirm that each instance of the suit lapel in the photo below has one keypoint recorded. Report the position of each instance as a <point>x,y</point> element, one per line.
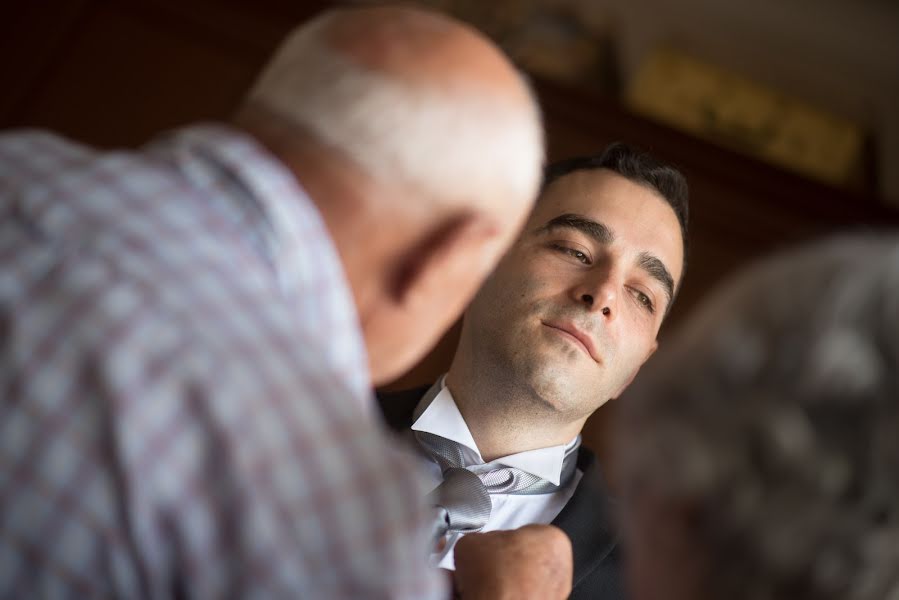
<point>398,407</point>
<point>586,518</point>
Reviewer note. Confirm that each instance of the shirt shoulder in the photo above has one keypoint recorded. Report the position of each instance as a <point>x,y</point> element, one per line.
<point>187,386</point>
<point>30,158</point>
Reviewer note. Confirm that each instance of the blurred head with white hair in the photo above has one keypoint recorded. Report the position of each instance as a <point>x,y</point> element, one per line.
<point>759,455</point>
<point>421,146</point>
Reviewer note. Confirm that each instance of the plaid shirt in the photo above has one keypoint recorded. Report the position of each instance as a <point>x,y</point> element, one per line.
<point>186,409</point>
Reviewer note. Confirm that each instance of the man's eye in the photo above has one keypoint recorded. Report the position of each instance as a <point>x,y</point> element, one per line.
<point>575,254</point>
<point>646,302</point>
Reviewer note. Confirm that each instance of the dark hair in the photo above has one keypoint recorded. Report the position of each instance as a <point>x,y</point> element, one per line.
<point>639,167</point>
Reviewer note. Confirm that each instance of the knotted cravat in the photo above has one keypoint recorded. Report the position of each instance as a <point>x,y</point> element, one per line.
<point>463,499</point>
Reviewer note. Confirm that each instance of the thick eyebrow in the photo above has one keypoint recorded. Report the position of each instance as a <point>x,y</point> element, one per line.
<point>602,234</point>
<point>656,269</point>
<point>597,231</point>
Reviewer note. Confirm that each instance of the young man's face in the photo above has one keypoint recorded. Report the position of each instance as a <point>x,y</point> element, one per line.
<point>574,308</point>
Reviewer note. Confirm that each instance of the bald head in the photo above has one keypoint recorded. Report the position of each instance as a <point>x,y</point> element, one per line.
<point>410,97</point>
<point>416,45</point>
<point>422,148</point>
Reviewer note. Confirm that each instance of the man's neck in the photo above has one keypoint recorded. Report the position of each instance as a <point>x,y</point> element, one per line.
<point>336,187</point>
<point>502,418</point>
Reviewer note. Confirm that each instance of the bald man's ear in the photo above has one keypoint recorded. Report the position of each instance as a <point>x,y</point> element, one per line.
<point>451,255</point>
<point>430,276</point>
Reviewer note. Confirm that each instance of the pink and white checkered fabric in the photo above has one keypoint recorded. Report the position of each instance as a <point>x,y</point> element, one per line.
<point>186,409</point>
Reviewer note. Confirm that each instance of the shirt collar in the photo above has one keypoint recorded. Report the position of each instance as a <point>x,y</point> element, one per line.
<point>439,415</point>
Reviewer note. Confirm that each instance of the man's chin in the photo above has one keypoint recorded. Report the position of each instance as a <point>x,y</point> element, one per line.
<point>556,388</point>
<point>551,374</point>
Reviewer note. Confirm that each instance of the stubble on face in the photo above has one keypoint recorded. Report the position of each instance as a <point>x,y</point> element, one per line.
<point>514,372</point>
<point>543,374</point>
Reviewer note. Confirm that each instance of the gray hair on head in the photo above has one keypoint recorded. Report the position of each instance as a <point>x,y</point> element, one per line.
<point>774,416</point>
<point>444,140</point>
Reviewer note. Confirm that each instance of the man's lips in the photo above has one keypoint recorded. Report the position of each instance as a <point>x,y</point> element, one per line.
<point>575,334</point>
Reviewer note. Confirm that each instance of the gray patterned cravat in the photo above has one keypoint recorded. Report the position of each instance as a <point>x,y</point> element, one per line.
<point>463,499</point>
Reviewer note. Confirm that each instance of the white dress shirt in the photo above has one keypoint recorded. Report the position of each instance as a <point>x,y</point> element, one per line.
<point>510,511</point>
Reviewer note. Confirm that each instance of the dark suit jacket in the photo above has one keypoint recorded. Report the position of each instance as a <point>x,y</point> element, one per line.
<point>586,519</point>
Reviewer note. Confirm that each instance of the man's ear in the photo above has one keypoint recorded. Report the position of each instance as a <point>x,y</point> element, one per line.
<point>630,380</point>
<point>445,256</point>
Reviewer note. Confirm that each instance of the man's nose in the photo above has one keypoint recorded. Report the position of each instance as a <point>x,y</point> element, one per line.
<point>600,295</point>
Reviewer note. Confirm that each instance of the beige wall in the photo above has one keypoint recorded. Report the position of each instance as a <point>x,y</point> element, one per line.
<point>842,55</point>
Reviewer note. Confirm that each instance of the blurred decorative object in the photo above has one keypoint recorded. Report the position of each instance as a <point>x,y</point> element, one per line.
<point>557,45</point>
<point>726,108</point>
<point>494,17</point>
<point>562,41</point>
